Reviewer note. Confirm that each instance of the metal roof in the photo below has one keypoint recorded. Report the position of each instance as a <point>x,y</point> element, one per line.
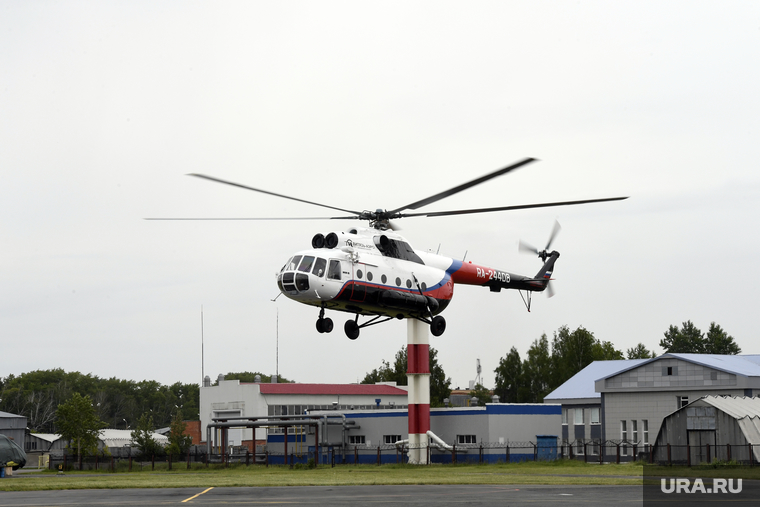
<point>744,409</point>
<point>333,389</point>
<point>121,438</point>
<point>747,365</point>
<point>581,385</point>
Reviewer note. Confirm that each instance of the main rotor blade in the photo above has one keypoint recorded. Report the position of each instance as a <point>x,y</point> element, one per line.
<point>464,186</point>
<point>211,178</point>
<point>522,246</point>
<point>261,218</point>
<point>507,208</point>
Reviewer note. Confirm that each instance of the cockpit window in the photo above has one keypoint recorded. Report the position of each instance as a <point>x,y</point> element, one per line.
<point>333,273</point>
<point>306,263</point>
<point>293,264</point>
<point>319,267</point>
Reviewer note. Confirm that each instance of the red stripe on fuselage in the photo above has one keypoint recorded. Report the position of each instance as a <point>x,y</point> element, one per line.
<point>471,274</point>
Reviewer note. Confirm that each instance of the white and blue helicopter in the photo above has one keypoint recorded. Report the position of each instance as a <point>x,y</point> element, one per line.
<point>374,272</point>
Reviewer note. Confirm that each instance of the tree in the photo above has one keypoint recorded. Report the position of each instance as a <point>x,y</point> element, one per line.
<point>77,423</point>
<point>717,341</point>
<point>179,443</point>
<point>640,352</point>
<point>537,371</point>
<point>250,376</point>
<point>509,377</point>
<point>482,394</point>
<point>142,437</point>
<point>440,385</point>
<point>687,340</point>
<point>605,351</point>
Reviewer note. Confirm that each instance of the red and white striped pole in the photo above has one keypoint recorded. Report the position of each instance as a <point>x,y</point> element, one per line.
<point>418,375</point>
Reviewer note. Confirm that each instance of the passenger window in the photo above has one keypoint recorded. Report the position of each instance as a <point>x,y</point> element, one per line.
<point>293,264</point>
<point>319,267</point>
<point>306,263</point>
<point>333,272</point>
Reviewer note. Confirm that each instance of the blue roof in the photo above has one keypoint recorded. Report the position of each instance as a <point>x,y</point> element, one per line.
<point>581,385</point>
<point>747,365</point>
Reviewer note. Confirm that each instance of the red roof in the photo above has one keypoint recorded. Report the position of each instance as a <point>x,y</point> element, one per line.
<point>342,389</point>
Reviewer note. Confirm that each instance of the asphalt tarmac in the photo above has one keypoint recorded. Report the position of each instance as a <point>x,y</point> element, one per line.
<point>417,496</point>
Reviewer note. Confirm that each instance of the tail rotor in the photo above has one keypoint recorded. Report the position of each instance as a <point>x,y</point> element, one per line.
<point>543,254</point>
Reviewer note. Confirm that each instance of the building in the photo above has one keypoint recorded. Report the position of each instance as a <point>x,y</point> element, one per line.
<point>235,399</point>
<point>582,404</point>
<point>353,420</point>
<point>14,427</point>
<point>633,397</point>
<point>713,427</point>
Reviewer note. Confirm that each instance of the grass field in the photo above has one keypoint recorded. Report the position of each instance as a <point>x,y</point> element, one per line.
<point>557,472</point>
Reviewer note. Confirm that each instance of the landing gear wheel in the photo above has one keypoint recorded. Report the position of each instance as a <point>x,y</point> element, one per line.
<point>438,325</point>
<point>352,329</point>
<point>324,325</point>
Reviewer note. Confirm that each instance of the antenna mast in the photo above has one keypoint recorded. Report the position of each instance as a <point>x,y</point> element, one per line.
<point>203,368</point>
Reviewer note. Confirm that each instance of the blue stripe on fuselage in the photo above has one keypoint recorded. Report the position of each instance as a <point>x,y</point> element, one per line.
<point>455,266</point>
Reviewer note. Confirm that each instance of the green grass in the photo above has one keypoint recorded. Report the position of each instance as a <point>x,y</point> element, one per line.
<point>554,473</point>
<point>559,472</point>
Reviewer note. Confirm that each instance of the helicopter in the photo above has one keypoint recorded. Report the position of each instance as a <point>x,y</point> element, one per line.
<point>374,272</point>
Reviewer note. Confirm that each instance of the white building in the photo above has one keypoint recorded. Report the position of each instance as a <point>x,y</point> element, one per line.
<point>235,399</point>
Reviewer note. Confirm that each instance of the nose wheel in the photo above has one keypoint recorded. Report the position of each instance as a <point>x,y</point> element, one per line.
<point>324,325</point>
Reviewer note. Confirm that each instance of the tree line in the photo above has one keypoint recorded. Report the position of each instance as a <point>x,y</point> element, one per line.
<point>549,364</point>
<point>37,395</point>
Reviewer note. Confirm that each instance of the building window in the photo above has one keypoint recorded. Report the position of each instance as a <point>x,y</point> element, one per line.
<point>391,439</point>
<point>670,371</point>
<point>579,447</point>
<point>635,430</point>
<point>564,415</point>
<point>466,439</point>
<point>578,416</point>
<point>356,439</point>
<point>624,435</point>
<point>683,401</point>
<point>594,416</point>
<point>645,429</point>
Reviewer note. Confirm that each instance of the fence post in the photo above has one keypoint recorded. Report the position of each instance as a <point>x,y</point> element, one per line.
<point>130,463</point>
<point>169,461</point>
<point>601,452</point>
<point>188,459</point>
<point>688,455</point>
<point>266,458</point>
<point>356,455</point>
<point>480,453</point>
<point>585,453</point>
<point>507,452</point>
<point>454,453</point>
<point>651,454</point>
<point>751,458</point>
<point>396,454</point>
<point>708,454</point>
<point>728,451</point>
<point>618,454</point>
<point>535,452</point>
<point>152,461</point>
<point>378,454</point>
<point>113,469</point>
<point>670,462</point>
<point>80,462</point>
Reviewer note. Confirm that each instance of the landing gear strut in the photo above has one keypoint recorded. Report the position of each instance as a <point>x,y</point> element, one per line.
<point>324,325</point>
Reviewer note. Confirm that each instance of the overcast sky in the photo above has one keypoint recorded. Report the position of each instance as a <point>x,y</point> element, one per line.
<point>106,106</point>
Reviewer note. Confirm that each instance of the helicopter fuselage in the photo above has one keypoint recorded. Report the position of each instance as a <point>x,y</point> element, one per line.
<point>371,272</point>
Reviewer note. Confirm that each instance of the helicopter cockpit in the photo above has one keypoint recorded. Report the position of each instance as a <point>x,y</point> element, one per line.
<point>294,275</point>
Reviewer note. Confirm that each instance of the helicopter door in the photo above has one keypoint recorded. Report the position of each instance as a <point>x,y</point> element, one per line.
<point>358,289</point>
